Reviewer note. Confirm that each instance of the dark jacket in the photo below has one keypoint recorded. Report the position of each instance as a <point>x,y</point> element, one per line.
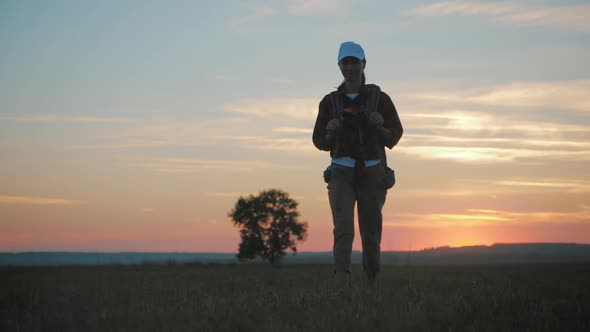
<point>357,140</point>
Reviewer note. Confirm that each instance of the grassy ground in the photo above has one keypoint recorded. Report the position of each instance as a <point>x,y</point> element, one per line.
<point>294,298</point>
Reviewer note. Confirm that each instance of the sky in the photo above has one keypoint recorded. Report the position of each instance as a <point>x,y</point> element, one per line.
<point>136,125</point>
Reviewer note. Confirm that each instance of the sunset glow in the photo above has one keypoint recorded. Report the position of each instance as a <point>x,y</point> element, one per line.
<point>132,126</point>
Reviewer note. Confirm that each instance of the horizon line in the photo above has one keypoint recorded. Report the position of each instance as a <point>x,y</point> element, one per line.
<point>299,252</point>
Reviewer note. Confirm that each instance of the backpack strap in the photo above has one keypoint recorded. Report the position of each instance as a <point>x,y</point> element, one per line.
<point>337,105</point>
<point>337,110</point>
<point>374,96</point>
<point>373,106</point>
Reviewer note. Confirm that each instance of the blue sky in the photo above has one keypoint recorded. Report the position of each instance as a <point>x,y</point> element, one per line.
<point>138,112</point>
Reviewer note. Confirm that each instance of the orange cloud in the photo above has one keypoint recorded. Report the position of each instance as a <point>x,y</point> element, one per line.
<point>483,217</point>
<point>190,165</point>
<point>29,200</point>
<point>569,95</point>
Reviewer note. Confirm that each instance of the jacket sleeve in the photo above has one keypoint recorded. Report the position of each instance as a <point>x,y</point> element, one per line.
<point>392,124</point>
<point>319,130</point>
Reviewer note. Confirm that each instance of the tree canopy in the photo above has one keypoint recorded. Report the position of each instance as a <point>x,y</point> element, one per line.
<point>268,224</point>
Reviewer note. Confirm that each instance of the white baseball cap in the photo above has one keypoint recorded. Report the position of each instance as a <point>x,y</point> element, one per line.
<point>351,49</point>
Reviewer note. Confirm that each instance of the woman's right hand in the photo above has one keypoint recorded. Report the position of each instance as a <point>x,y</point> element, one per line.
<point>332,129</point>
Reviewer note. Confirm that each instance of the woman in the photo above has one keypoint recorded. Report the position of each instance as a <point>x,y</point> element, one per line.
<point>355,123</point>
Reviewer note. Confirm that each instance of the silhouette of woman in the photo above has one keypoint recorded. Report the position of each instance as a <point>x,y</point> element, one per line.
<point>355,123</point>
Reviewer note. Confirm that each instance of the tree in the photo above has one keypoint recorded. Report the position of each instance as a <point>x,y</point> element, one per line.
<point>268,225</point>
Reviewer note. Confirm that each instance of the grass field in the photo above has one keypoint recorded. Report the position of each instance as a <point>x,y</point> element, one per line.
<point>177,297</point>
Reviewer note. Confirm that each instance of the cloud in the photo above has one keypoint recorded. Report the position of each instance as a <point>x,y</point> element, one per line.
<point>32,200</point>
<point>480,137</point>
<point>439,139</point>
<point>256,12</point>
<point>320,7</point>
<point>276,109</point>
<point>561,185</point>
<point>572,17</point>
<point>486,124</point>
<point>160,133</point>
<point>464,8</point>
<point>225,194</point>
<point>484,217</point>
<point>61,118</point>
<point>289,145</point>
<point>557,95</point>
<point>470,192</point>
<point>492,187</point>
<point>575,16</point>
<point>514,122</point>
<point>490,154</point>
<point>324,8</point>
<point>130,145</point>
<point>269,133</point>
<point>292,130</point>
<point>189,165</point>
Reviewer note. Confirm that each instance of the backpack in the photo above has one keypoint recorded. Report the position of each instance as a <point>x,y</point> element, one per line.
<point>371,106</point>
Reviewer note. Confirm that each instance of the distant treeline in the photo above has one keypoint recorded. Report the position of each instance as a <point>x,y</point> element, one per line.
<point>495,254</point>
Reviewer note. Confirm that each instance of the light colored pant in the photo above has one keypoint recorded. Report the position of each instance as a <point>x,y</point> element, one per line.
<point>344,190</point>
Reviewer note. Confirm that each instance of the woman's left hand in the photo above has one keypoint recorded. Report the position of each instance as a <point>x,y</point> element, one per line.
<point>376,119</point>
